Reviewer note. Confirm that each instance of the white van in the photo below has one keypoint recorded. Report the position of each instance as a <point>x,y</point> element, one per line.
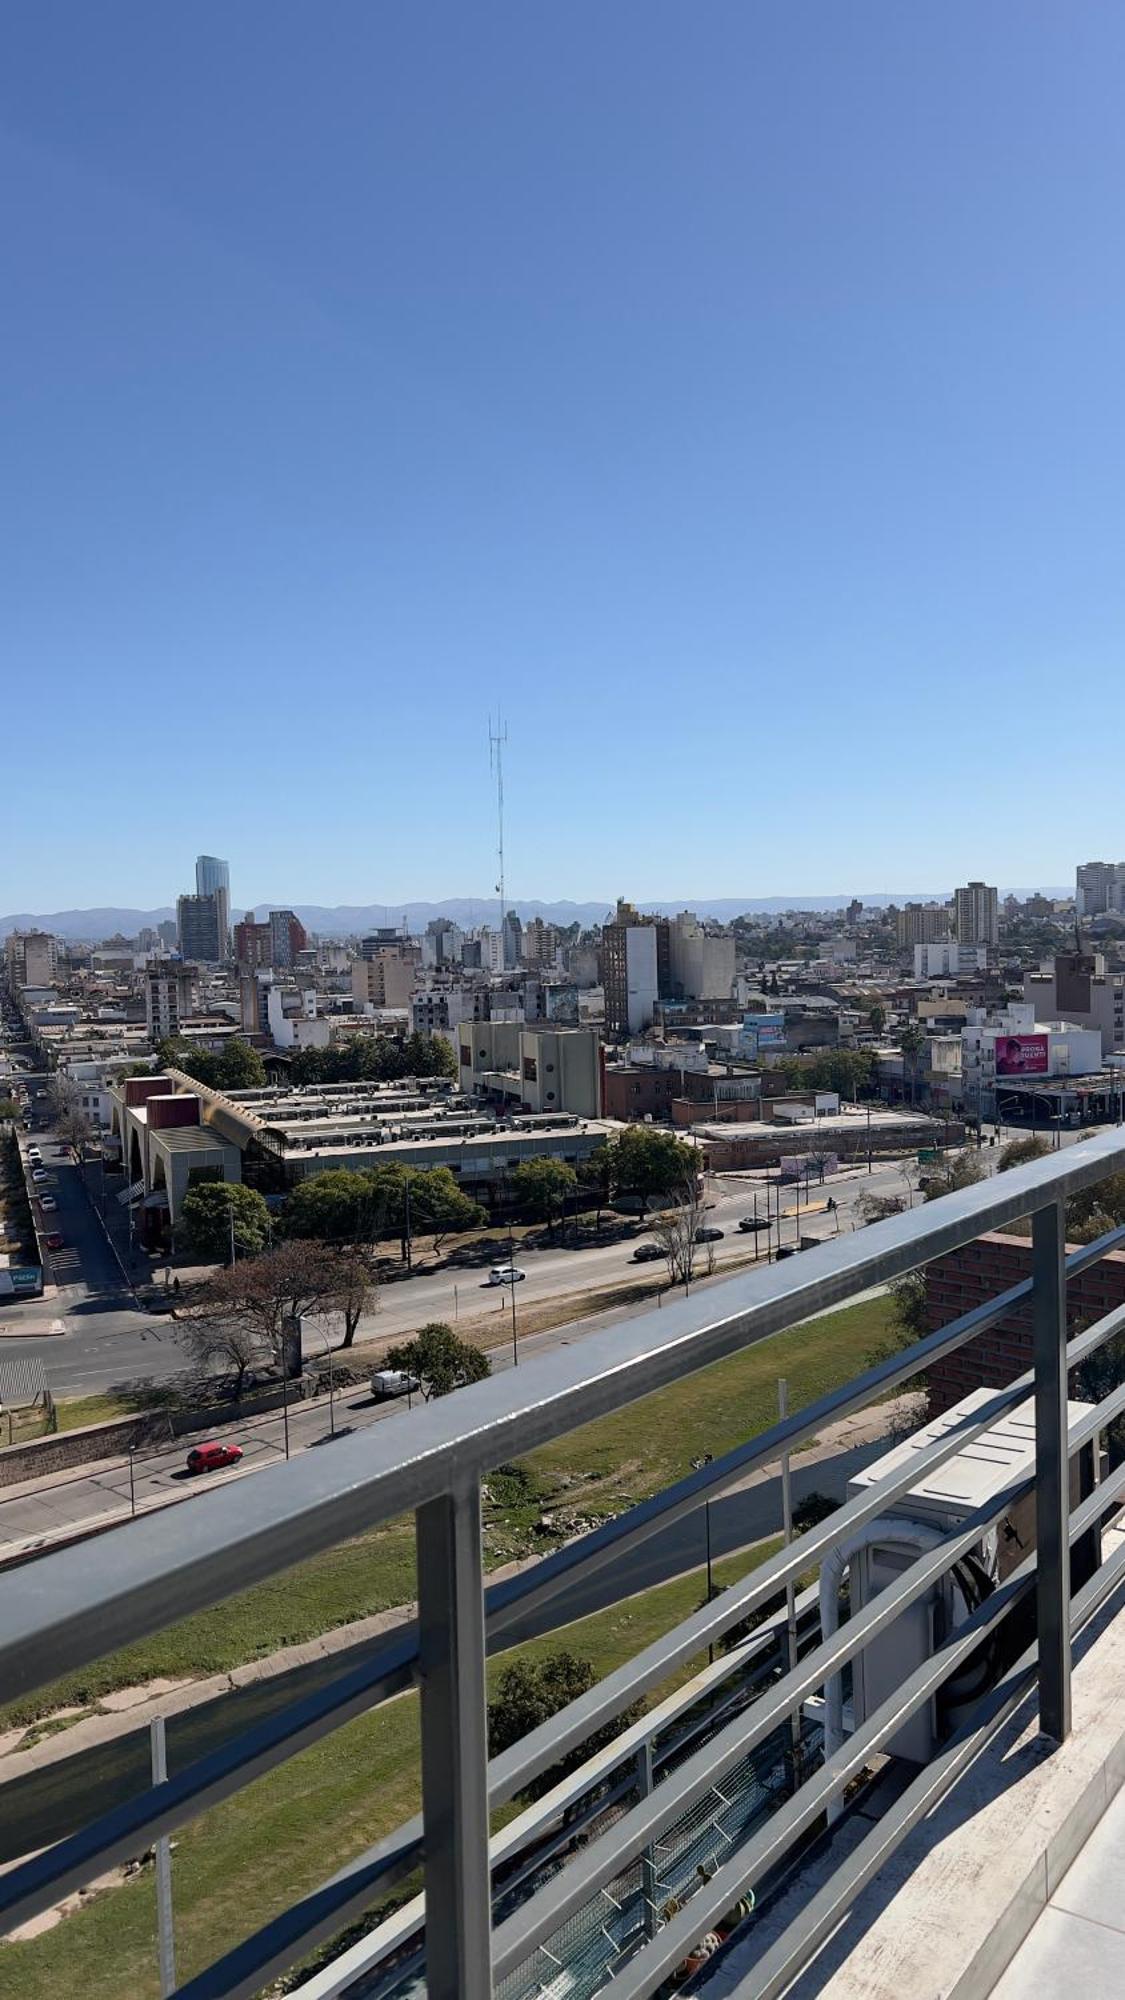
<point>387,1382</point>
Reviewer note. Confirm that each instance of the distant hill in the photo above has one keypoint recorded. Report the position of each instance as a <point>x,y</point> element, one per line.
<point>346,919</point>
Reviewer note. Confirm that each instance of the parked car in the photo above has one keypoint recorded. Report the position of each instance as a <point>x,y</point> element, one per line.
<point>55,1240</point>
<point>708,1234</point>
<point>39,1174</point>
<point>506,1274</point>
<point>35,1156</point>
<point>647,1253</point>
<point>749,1223</point>
<point>213,1456</point>
<point>47,1203</point>
<point>387,1382</point>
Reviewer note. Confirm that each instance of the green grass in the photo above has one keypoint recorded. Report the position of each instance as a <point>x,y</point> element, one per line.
<point>77,1411</point>
<point>308,1818</point>
<point>599,1470</point>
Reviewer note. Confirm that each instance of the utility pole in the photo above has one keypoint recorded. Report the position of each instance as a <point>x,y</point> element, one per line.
<point>230,1214</point>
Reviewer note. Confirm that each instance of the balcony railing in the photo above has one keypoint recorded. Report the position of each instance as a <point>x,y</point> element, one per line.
<point>65,1611</point>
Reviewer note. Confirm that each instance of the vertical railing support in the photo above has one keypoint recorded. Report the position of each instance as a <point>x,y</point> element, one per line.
<point>1052,1471</point>
<point>165,1920</point>
<point>643,1767</point>
<point>454,1747</point>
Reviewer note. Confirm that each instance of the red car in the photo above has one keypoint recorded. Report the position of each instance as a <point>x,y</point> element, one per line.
<point>212,1457</point>
<point>54,1240</point>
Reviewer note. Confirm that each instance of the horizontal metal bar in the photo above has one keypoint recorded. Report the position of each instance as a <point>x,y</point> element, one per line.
<point>604,1857</point>
<point>62,1612</point>
<point>769,1846</point>
<point>40,1882</point>
<point>782,1962</point>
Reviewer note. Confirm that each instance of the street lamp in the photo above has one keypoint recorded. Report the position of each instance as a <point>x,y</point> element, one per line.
<point>331,1383</point>
<point>132,1482</point>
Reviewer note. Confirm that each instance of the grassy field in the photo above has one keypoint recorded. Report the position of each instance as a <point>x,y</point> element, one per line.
<point>309,1818</point>
<point>598,1470</point>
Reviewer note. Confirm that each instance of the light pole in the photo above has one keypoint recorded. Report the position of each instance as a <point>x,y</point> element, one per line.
<point>331,1383</point>
<point>132,1483</point>
<point>697,1466</point>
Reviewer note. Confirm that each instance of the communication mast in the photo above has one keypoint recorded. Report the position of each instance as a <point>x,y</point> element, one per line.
<point>497,737</point>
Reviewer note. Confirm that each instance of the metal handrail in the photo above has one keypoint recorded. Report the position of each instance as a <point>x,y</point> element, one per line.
<point>56,1615</point>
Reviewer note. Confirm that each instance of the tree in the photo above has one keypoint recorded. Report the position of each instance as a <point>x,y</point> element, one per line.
<point>1103,1205</point>
<point>206,1220</point>
<point>1020,1152</point>
<point>529,1693</point>
<point>877,1017</point>
<point>543,1187</point>
<point>355,1292</point>
<point>337,1206</point>
<point>210,1343</point>
<point>913,1042</point>
<point>877,1207</point>
<point>674,1229</point>
<point>438,1204</point>
<point>262,1293</point>
<point>439,1360</point>
<point>9,1111</point>
<point>647,1163</point>
<point>240,1067</point>
<point>957,1170</point>
<point>201,1064</point>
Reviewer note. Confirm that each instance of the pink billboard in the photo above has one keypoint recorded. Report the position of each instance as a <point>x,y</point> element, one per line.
<point>1021,1055</point>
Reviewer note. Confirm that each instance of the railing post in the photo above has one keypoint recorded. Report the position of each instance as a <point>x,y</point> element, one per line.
<point>643,1767</point>
<point>454,1747</point>
<point>1052,1471</point>
<point>165,1920</point>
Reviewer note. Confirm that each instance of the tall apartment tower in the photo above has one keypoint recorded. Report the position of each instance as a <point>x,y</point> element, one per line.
<point>976,914</point>
<point>922,923</point>
<point>212,878</point>
<point>199,929</point>
<point>636,968</point>
<point>1099,886</point>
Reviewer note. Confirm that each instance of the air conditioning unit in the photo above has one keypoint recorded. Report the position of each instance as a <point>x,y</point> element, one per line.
<point>884,1548</point>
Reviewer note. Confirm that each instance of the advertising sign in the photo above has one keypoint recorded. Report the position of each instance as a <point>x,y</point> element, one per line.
<point>764,1031</point>
<point>1021,1055</point>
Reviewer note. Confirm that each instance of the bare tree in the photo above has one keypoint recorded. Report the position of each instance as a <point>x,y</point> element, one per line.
<point>877,1207</point>
<point>261,1293</point>
<point>675,1230</point>
<point>210,1343</point>
<point>71,1122</point>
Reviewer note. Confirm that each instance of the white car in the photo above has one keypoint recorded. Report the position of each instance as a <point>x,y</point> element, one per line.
<point>388,1382</point>
<point>506,1274</point>
<point>48,1203</point>
<point>39,1174</point>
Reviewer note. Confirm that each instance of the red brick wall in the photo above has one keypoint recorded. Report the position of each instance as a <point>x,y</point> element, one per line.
<point>968,1277</point>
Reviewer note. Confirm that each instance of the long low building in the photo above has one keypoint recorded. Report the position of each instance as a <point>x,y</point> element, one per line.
<point>170,1128</point>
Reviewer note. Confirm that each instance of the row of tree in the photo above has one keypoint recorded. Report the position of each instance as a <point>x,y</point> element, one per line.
<point>235,1067</point>
<point>375,1059</point>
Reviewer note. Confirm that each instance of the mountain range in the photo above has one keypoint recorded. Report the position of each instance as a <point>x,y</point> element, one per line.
<point>349,919</point>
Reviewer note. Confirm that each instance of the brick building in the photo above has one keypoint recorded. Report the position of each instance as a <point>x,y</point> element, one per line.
<point>980,1271</point>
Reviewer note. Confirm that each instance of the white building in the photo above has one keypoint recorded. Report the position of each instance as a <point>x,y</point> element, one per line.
<point>1014,1046</point>
<point>169,999</point>
<point>32,958</point>
<point>1099,886</point>
<point>949,959</point>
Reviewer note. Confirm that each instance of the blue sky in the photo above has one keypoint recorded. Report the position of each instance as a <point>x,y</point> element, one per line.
<point>732,394</point>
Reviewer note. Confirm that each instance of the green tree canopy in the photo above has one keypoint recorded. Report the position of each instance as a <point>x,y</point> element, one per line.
<point>648,1163</point>
<point>206,1220</point>
<point>337,1206</point>
<point>529,1693</point>
<point>957,1170</point>
<point>238,1067</point>
<point>375,1059</point>
<point>1021,1152</point>
<point>543,1187</point>
<point>439,1360</point>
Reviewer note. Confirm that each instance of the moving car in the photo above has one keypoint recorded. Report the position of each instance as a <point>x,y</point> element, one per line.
<point>213,1456</point>
<point>55,1240</point>
<point>751,1222</point>
<point>388,1382</point>
<point>647,1253</point>
<point>708,1234</point>
<point>506,1274</point>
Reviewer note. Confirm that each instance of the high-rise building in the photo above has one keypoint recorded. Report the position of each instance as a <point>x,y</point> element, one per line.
<point>921,923</point>
<point>199,929</point>
<point>976,914</point>
<point>383,978</point>
<point>31,958</point>
<point>1099,886</point>
<point>701,962</point>
<point>636,969</point>
<point>212,878</point>
<point>169,999</point>
<point>252,944</point>
<point>287,938</point>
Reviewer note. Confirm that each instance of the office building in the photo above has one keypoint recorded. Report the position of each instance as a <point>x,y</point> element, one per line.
<point>921,923</point>
<point>949,960</point>
<point>539,1069</point>
<point>1099,887</point>
<point>212,878</point>
<point>976,914</point>
<point>1076,987</point>
<point>252,944</point>
<point>636,969</point>
<point>199,929</point>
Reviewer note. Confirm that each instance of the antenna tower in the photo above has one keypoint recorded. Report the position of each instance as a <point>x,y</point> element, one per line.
<point>497,737</point>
